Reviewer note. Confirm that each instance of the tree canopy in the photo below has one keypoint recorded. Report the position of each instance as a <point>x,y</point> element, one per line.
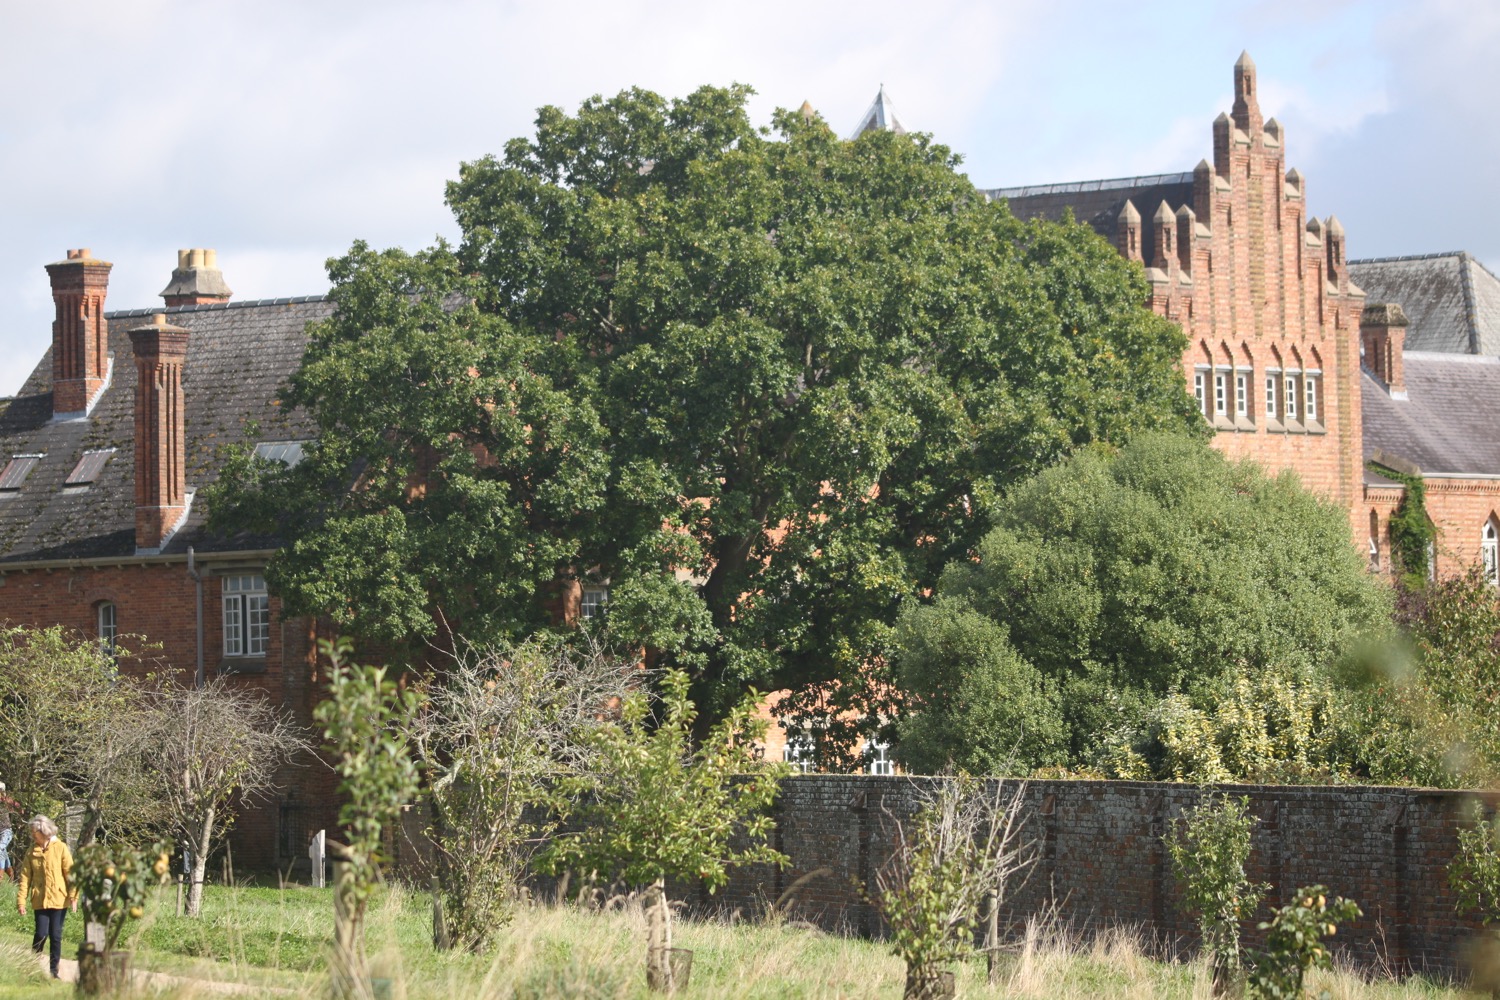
<point>1117,579</point>
<point>763,382</point>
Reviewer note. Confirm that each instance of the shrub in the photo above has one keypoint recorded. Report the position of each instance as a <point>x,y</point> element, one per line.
<point>1474,872</point>
<point>1294,943</point>
<point>1208,852</point>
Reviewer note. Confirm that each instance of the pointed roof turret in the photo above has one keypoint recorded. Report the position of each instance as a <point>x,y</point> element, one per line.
<point>1129,213</point>
<point>1246,102</point>
<point>1244,61</point>
<point>806,111</point>
<point>880,117</point>
<point>1335,227</point>
<point>1163,214</point>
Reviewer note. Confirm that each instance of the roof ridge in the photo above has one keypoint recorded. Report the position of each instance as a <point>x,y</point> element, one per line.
<point>1471,314</point>
<point>1411,256</point>
<point>212,306</point>
<point>1105,184</point>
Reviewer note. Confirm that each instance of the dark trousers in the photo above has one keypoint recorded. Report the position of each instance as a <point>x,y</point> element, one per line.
<point>49,927</point>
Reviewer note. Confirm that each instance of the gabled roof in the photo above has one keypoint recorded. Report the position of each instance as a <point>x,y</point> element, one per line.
<point>1447,424</point>
<point>1099,203</point>
<point>239,356</point>
<point>880,117</point>
<point>1452,300</point>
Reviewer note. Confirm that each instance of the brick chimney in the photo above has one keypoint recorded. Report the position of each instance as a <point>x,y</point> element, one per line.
<point>1382,330</point>
<point>161,500</point>
<point>80,344</point>
<point>196,280</point>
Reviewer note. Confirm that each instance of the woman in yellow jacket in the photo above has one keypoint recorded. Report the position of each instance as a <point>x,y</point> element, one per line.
<point>47,878</point>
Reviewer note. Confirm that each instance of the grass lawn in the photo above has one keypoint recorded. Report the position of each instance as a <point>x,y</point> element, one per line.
<point>278,938</point>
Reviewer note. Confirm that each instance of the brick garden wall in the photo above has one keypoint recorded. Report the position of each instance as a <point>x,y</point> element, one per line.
<point>1101,857</point>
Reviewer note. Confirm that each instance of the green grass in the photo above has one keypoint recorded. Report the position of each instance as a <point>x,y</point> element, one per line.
<point>278,938</point>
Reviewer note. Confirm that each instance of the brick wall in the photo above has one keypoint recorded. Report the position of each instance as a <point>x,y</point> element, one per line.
<point>1100,855</point>
<point>157,601</point>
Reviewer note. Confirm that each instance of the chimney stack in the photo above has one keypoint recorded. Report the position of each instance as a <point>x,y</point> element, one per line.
<point>161,501</point>
<point>1382,329</point>
<point>80,344</point>
<point>197,280</point>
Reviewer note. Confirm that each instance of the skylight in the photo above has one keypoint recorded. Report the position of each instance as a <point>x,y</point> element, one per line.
<point>16,471</point>
<point>288,453</point>
<point>88,468</point>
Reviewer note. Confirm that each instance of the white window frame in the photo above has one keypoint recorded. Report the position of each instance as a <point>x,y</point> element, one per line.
<point>1489,552</point>
<point>1200,390</point>
<point>801,752</point>
<point>247,615</point>
<point>1309,396</point>
<point>1242,394</point>
<point>880,758</point>
<point>1273,381</point>
<point>1289,395</point>
<point>593,601</point>
<point>107,626</point>
<point>1221,393</point>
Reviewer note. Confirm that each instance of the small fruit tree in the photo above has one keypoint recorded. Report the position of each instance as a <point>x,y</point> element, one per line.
<point>960,852</point>
<point>1294,943</point>
<point>1209,851</point>
<point>364,719</point>
<point>113,884</point>
<point>654,807</point>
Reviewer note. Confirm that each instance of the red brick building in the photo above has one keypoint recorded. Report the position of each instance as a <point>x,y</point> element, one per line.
<point>1299,357</point>
<point>100,454</point>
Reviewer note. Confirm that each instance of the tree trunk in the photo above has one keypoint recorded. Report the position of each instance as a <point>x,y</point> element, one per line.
<point>659,966</point>
<point>200,865</point>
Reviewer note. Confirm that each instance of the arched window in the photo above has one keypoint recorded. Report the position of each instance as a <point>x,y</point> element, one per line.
<point>1489,552</point>
<point>106,626</point>
<point>1374,542</point>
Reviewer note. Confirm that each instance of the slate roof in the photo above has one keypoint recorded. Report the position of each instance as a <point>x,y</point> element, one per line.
<point>1098,203</point>
<point>1452,300</point>
<point>1449,424</point>
<point>239,356</point>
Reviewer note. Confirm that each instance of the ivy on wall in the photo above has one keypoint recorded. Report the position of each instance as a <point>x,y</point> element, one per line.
<point>1412,530</point>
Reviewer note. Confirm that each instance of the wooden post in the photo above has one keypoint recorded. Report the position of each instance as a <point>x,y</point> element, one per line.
<point>992,939</point>
<point>317,852</point>
<point>350,978</point>
<point>179,894</point>
<point>440,939</point>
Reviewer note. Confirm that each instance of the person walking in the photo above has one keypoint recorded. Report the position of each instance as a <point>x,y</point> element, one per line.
<point>47,880</point>
<point>5,834</point>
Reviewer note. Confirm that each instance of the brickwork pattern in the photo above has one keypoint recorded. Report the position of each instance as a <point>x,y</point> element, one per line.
<point>157,603</point>
<point>1100,856</point>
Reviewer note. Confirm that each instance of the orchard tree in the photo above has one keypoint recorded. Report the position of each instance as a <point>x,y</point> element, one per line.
<point>1120,578</point>
<point>763,382</point>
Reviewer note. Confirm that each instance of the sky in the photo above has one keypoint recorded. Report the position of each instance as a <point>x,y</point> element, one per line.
<point>280,131</point>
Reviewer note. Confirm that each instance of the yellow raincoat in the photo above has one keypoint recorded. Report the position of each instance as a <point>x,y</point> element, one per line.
<point>48,873</point>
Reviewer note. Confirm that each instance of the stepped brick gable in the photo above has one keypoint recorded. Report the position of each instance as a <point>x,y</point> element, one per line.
<point>1263,293</point>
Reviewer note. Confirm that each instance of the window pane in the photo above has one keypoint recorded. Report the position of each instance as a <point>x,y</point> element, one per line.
<point>17,470</point>
<point>1310,388</point>
<point>234,644</point>
<point>593,601</point>
<point>1220,392</point>
<point>1200,392</point>
<point>1241,394</point>
<point>1291,397</point>
<point>88,468</point>
<point>107,629</point>
<point>258,630</point>
<point>1270,395</point>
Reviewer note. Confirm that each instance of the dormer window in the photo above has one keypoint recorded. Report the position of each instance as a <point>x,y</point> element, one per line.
<point>16,471</point>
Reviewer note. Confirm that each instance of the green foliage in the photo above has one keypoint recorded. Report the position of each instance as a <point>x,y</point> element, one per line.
<point>654,807</point>
<point>1412,530</point>
<point>114,884</point>
<point>1209,850</point>
<point>794,366</point>
<point>363,720</point>
<point>1118,579</point>
<point>958,852</point>
<point>1294,943</point>
<point>1474,872</point>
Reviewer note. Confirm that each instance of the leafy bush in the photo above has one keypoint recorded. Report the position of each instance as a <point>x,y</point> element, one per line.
<point>960,850</point>
<point>1474,872</point>
<point>112,884</point>
<point>1208,853</point>
<point>1294,943</point>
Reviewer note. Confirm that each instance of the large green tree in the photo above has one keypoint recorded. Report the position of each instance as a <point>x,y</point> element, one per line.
<point>765,382</point>
<point>1117,579</point>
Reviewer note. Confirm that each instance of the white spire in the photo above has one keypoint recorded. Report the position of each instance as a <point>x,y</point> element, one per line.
<point>880,116</point>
